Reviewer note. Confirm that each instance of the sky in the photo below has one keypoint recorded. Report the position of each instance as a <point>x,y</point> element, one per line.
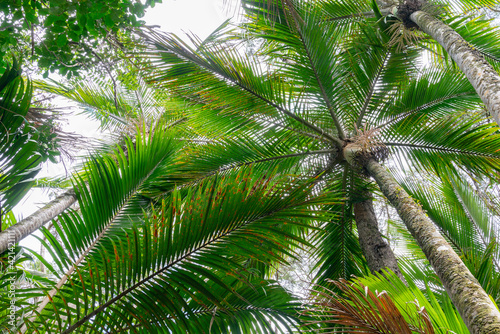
<point>199,17</point>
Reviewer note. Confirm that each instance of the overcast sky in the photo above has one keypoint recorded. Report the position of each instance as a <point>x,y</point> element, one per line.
<point>200,17</point>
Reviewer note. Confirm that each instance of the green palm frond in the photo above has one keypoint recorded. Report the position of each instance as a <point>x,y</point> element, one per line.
<point>441,203</point>
<point>377,74</point>
<point>481,34</point>
<point>466,221</point>
<point>461,6</point>
<point>484,266</point>
<point>287,150</point>
<point>434,93</point>
<point>21,148</point>
<point>347,9</point>
<point>117,106</point>
<point>218,76</point>
<point>308,55</point>
<point>441,144</point>
<point>190,248</point>
<point>142,254</point>
<point>337,251</point>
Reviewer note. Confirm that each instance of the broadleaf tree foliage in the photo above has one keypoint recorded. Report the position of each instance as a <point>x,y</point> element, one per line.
<point>64,35</point>
<point>260,143</point>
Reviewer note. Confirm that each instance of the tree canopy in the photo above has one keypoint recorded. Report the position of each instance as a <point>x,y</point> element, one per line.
<point>64,35</point>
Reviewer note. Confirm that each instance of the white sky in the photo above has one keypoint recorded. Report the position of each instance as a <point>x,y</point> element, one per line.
<point>199,17</point>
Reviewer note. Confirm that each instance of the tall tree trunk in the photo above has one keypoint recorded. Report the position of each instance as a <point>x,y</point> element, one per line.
<point>30,224</point>
<point>479,312</point>
<point>480,73</point>
<point>377,252</point>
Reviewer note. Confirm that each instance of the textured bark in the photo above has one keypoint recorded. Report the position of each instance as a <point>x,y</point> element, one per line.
<point>476,308</point>
<point>480,73</point>
<point>377,252</point>
<point>25,227</point>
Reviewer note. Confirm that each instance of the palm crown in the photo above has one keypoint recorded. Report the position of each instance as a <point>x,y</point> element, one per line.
<point>323,88</point>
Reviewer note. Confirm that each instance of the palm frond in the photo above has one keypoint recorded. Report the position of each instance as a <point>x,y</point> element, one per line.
<point>384,304</point>
<point>191,251</point>
<point>441,144</point>
<point>21,144</point>
<point>217,75</point>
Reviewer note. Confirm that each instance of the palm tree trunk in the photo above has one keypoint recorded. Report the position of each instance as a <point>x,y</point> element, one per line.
<point>479,312</point>
<point>25,227</point>
<point>480,73</point>
<point>377,252</point>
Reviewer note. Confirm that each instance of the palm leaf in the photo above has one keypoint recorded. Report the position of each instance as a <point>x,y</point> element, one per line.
<point>384,304</point>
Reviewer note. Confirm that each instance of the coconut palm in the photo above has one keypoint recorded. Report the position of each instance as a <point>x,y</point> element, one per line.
<point>466,39</point>
<point>334,98</point>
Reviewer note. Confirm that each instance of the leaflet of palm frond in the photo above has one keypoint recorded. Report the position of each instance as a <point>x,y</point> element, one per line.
<point>20,156</point>
<point>337,251</point>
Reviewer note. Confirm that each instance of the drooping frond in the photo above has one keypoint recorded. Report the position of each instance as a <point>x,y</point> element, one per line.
<point>186,256</point>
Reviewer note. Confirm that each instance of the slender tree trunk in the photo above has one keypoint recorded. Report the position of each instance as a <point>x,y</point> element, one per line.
<point>479,312</point>
<point>25,227</point>
<point>377,252</point>
<point>480,73</point>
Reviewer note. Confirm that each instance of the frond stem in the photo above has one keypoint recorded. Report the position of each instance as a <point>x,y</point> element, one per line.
<point>444,149</point>
<point>329,105</point>
<point>372,90</point>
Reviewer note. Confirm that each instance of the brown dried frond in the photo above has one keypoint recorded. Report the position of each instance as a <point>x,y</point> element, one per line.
<point>360,310</point>
<point>403,36</point>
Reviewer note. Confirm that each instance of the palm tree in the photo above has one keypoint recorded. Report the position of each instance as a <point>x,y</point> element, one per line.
<point>470,54</point>
<point>322,85</point>
<point>290,121</point>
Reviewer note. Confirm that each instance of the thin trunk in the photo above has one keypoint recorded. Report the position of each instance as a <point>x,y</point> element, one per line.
<point>480,73</point>
<point>377,252</point>
<point>479,312</point>
<point>25,227</point>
